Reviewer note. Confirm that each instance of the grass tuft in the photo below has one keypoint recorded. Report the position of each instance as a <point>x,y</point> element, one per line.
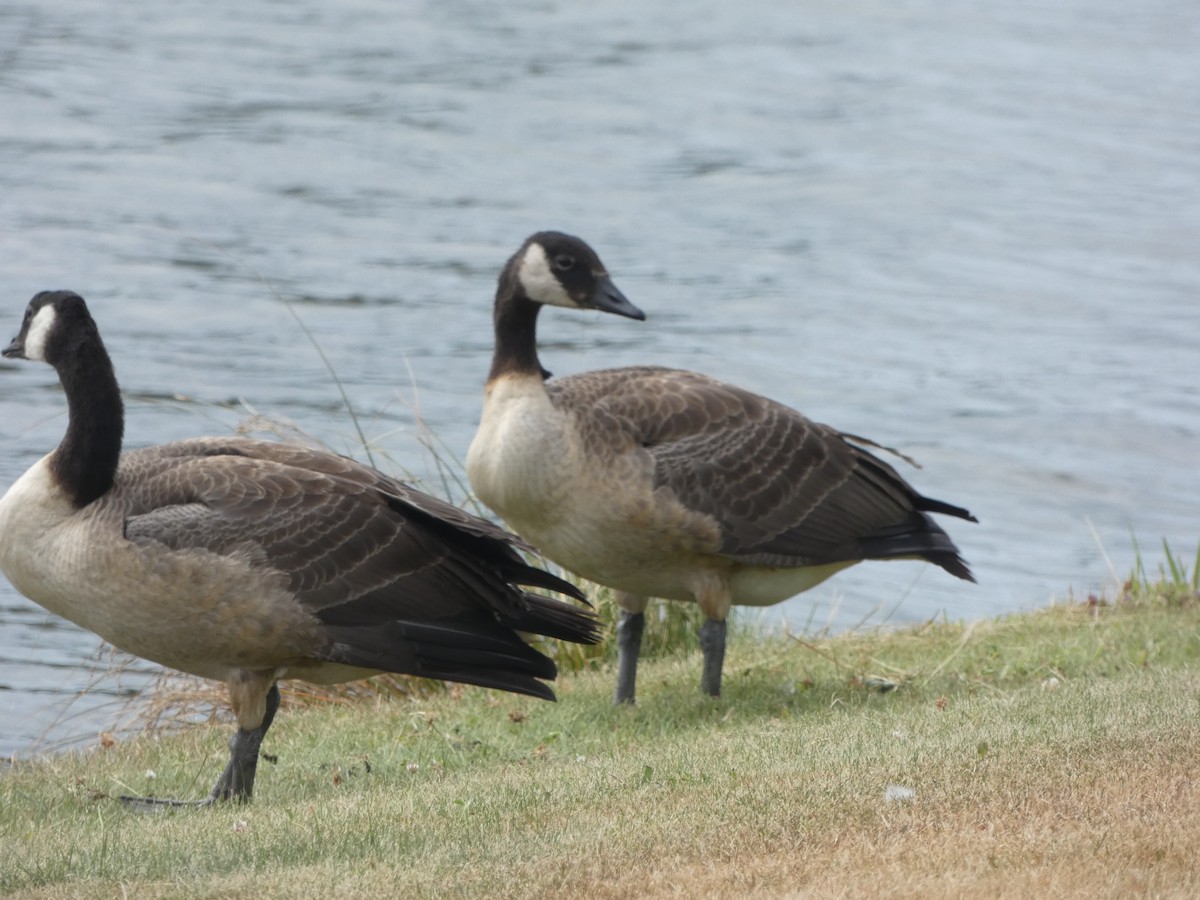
<point>1173,576</point>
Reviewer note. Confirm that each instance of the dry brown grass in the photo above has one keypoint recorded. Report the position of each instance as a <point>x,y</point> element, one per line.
<point>1126,827</point>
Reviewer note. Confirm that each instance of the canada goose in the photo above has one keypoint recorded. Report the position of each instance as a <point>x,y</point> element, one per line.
<point>664,483</point>
<point>248,561</point>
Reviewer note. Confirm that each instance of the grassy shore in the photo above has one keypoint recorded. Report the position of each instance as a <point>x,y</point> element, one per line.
<point>1041,755</point>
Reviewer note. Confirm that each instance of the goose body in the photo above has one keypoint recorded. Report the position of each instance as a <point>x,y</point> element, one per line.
<point>601,497</point>
<point>249,561</point>
<point>667,483</point>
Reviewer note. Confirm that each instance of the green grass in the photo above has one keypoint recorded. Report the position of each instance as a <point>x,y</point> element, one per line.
<point>1173,575</point>
<point>1048,754</point>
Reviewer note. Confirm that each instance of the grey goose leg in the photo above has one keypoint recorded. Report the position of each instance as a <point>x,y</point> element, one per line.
<point>712,643</point>
<point>629,646</point>
<point>237,781</point>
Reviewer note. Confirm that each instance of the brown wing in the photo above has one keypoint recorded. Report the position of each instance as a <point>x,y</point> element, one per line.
<point>380,564</point>
<point>786,491</point>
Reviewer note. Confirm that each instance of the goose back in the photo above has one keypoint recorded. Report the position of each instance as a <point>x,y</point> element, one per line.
<point>786,491</point>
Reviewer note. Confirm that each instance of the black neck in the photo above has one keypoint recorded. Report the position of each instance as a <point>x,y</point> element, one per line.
<point>516,334</point>
<point>85,463</point>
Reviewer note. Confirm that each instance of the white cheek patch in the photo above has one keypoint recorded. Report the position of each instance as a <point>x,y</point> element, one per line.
<point>538,280</point>
<point>38,333</point>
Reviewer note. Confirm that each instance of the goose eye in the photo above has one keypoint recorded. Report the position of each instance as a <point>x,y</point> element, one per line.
<point>564,262</point>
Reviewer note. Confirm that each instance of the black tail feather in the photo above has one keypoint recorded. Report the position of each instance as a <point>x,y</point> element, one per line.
<point>921,538</point>
<point>472,650</point>
<point>553,618</point>
<point>487,542</point>
<point>952,563</point>
<point>928,504</point>
<point>496,679</point>
<point>531,576</point>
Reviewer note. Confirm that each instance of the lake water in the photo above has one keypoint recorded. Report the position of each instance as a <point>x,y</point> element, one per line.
<point>971,232</point>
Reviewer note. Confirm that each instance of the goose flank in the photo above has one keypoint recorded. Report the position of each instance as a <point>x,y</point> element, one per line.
<point>249,561</point>
<point>666,483</point>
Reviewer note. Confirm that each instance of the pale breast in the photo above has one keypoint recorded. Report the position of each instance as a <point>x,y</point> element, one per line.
<point>590,505</point>
<point>523,459</point>
<point>31,513</point>
<point>206,613</point>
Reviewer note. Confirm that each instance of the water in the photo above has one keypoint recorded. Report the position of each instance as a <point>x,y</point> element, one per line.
<point>966,232</point>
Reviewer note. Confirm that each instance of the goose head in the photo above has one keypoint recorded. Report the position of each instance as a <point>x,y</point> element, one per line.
<point>557,269</point>
<point>51,320</point>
